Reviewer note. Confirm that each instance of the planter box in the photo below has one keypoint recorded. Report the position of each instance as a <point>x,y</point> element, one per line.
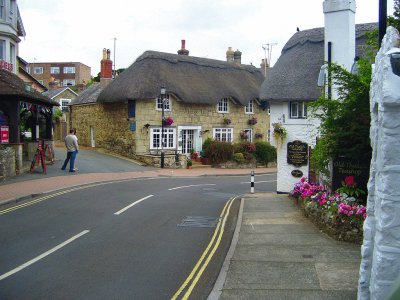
<point>335,226</point>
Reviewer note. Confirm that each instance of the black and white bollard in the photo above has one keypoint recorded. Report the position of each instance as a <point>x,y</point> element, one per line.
<point>252,183</point>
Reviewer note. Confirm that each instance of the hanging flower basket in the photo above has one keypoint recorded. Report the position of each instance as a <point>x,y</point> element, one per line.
<point>253,120</point>
<point>227,121</point>
<point>244,135</point>
<point>168,121</point>
<point>279,131</point>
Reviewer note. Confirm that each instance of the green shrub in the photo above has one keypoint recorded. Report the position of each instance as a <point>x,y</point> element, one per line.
<point>206,145</point>
<point>244,147</point>
<point>219,152</point>
<point>238,157</point>
<point>265,152</point>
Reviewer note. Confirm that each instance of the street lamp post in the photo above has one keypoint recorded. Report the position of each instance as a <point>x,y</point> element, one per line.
<point>162,126</point>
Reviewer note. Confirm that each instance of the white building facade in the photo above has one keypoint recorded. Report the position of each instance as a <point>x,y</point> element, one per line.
<point>11,29</point>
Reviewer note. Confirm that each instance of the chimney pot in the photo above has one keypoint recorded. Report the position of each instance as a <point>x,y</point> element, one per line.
<point>229,54</point>
<point>106,65</point>
<point>183,50</point>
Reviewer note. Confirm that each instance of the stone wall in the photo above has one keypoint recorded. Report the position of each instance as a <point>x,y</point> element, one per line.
<point>7,162</point>
<point>204,115</point>
<point>110,127</point>
<point>380,264</point>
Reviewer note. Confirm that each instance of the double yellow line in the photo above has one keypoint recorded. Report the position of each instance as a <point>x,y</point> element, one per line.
<point>46,198</point>
<point>184,291</point>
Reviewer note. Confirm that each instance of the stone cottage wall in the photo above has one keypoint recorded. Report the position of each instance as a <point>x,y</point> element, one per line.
<point>112,125</point>
<point>204,115</point>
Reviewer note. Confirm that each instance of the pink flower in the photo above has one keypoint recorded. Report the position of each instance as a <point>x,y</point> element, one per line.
<point>365,216</point>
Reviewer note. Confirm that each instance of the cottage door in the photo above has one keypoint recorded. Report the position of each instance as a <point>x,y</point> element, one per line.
<point>187,140</point>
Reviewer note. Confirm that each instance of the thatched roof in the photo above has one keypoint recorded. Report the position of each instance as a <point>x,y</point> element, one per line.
<point>190,79</point>
<point>295,74</point>
<point>89,95</point>
<point>13,87</point>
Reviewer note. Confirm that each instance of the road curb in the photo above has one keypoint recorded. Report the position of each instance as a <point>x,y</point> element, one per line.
<point>219,283</point>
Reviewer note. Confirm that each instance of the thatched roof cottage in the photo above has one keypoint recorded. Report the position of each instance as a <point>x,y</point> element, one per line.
<point>205,98</point>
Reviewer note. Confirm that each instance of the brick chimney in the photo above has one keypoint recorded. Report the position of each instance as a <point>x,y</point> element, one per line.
<point>229,55</point>
<point>237,57</point>
<point>264,67</point>
<point>106,68</point>
<point>183,50</point>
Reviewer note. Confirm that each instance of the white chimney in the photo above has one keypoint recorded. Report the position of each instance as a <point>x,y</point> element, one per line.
<point>340,31</point>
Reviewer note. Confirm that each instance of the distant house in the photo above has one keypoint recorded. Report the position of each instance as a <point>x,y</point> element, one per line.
<point>28,78</point>
<point>63,96</point>
<point>290,85</point>
<point>205,98</point>
<point>59,74</point>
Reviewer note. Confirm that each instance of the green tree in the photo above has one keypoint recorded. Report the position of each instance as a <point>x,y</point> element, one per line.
<point>345,122</point>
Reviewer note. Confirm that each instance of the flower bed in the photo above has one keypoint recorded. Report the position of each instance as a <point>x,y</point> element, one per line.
<point>339,215</point>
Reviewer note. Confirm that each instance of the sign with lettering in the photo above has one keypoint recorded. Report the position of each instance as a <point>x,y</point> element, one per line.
<point>297,173</point>
<point>4,135</point>
<point>6,65</point>
<point>343,167</point>
<point>297,153</point>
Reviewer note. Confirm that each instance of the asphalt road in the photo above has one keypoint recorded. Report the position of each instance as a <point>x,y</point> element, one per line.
<point>119,240</point>
<point>88,160</point>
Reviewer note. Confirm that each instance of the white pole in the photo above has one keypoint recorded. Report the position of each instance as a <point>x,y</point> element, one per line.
<point>252,183</point>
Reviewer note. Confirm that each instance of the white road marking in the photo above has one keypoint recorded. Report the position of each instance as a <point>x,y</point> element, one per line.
<point>36,259</point>
<point>185,186</point>
<point>258,181</point>
<point>134,203</point>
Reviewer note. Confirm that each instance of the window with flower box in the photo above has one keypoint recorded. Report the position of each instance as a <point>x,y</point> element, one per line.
<point>222,106</point>
<point>169,138</point>
<point>167,103</point>
<point>298,110</point>
<point>223,134</point>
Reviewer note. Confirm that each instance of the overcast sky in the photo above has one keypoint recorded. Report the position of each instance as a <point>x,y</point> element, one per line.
<point>78,30</point>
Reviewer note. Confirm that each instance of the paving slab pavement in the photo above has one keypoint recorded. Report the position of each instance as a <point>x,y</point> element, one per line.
<point>277,253</point>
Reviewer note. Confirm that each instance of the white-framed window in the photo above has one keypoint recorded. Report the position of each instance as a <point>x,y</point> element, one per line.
<point>167,103</point>
<point>169,138</point>
<point>298,110</point>
<point>223,134</point>
<point>69,70</point>
<point>54,70</point>
<point>249,134</point>
<point>68,82</point>
<point>12,15</point>
<point>37,70</point>
<point>222,106</point>
<point>28,70</point>
<point>249,108</point>
<point>3,49</point>
<point>64,104</point>
<point>40,81</point>
<point>2,10</point>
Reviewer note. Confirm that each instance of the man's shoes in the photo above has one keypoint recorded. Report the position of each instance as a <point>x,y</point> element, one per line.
<point>62,169</point>
<point>72,171</point>
<point>76,169</point>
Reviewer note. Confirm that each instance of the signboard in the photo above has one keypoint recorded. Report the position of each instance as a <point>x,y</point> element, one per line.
<point>4,135</point>
<point>6,65</point>
<point>343,167</point>
<point>297,153</point>
<point>297,173</point>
